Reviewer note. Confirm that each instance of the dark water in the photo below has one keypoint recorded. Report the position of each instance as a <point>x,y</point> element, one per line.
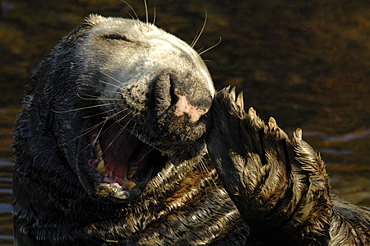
<point>307,63</point>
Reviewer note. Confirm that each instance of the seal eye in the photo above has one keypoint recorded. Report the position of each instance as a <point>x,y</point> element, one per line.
<point>117,36</point>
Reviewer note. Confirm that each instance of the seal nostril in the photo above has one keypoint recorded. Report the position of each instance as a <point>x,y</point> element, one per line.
<point>162,93</point>
<point>182,93</point>
<point>173,91</point>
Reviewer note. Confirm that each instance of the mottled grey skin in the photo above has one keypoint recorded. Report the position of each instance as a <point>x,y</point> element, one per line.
<point>140,99</point>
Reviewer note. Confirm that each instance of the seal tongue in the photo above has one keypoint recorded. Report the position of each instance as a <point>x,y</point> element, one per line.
<point>119,156</point>
<point>117,152</point>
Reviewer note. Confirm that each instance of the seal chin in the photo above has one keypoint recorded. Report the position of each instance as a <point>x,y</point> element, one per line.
<point>120,165</point>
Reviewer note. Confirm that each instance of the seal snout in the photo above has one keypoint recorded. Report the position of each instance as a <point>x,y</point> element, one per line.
<point>186,94</point>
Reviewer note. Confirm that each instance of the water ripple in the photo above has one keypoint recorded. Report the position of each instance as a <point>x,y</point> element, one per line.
<point>5,208</point>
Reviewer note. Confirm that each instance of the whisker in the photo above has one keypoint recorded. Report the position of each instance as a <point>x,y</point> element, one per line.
<point>88,130</point>
<point>133,128</point>
<point>110,99</point>
<point>115,122</point>
<point>132,17</point>
<point>111,142</point>
<point>91,128</point>
<point>132,9</point>
<point>100,131</point>
<point>96,138</point>
<point>194,42</point>
<point>146,12</point>
<point>133,116</point>
<point>213,46</point>
<point>101,98</point>
<point>81,93</point>
<point>119,112</point>
<point>203,166</point>
<point>119,132</point>
<point>93,115</point>
<point>109,117</point>
<point>114,92</point>
<point>107,83</point>
<point>97,135</point>
<point>154,15</point>
<point>77,109</point>
<point>205,170</point>
<point>109,76</point>
<point>146,153</point>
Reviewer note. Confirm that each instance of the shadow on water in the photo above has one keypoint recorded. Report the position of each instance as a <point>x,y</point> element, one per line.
<point>304,62</point>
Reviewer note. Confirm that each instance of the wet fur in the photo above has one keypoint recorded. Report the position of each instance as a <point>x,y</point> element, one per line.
<point>279,184</point>
<point>56,201</point>
<point>268,189</point>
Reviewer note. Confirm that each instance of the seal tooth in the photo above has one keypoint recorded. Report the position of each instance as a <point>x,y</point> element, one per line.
<point>97,149</point>
<point>129,184</point>
<point>101,166</point>
<point>132,170</point>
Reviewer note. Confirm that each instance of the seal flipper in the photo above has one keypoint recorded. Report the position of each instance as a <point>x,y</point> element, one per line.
<point>279,184</point>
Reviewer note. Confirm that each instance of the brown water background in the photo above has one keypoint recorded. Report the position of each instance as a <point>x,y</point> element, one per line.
<point>307,63</point>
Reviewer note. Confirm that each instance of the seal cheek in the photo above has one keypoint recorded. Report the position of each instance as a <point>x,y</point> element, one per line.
<point>183,106</point>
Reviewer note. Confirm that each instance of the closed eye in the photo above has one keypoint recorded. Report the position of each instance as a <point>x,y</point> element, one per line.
<point>116,36</point>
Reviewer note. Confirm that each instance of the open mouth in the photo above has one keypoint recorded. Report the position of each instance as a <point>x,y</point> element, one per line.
<point>123,160</point>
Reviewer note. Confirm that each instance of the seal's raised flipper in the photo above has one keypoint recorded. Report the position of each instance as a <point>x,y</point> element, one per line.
<point>279,184</point>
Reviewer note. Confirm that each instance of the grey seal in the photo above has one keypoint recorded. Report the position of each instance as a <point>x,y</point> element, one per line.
<point>122,140</point>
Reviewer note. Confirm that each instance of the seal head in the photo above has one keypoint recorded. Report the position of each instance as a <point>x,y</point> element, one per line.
<point>122,98</point>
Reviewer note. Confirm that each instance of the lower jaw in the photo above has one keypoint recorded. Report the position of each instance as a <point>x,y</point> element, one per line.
<point>117,191</point>
<point>108,193</point>
<point>122,183</point>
